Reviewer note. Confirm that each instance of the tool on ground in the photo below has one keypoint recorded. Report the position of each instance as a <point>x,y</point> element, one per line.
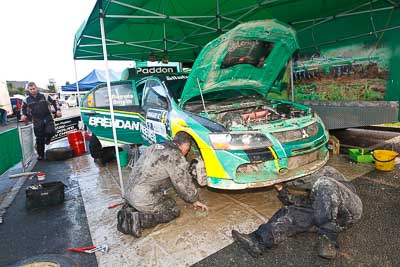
<point>91,249</point>
<point>22,174</point>
<point>115,205</point>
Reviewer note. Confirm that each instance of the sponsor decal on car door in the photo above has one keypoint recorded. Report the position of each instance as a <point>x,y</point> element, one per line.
<point>157,121</point>
<point>156,106</point>
<point>127,118</point>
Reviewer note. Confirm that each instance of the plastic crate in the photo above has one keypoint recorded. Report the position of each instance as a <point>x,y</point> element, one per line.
<point>360,155</point>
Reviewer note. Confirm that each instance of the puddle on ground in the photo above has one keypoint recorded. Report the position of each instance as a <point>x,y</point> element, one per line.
<point>186,240</point>
<point>350,169</point>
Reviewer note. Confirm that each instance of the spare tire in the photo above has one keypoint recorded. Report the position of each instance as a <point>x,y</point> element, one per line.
<point>47,260</point>
<point>59,153</point>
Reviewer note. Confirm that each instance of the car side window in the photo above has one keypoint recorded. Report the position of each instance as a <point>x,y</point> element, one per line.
<point>88,101</point>
<point>122,95</point>
<point>155,95</point>
<point>139,90</point>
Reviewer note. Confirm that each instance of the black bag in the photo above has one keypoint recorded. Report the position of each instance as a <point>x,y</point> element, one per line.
<point>44,194</point>
<point>128,221</point>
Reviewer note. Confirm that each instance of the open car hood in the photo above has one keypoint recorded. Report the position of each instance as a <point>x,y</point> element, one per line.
<point>249,57</point>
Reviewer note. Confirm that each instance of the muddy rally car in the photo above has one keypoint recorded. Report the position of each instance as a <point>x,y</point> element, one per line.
<point>244,138</point>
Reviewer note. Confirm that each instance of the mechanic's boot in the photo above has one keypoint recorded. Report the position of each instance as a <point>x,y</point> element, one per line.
<point>136,231</point>
<point>128,221</point>
<point>248,242</point>
<point>327,248</point>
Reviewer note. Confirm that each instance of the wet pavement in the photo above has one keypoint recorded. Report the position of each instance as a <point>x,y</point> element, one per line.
<point>6,185</point>
<point>198,238</point>
<point>194,235</point>
<point>374,241</point>
<point>50,230</point>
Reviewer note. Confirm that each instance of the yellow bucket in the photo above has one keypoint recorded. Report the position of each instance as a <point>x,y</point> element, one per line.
<point>384,159</point>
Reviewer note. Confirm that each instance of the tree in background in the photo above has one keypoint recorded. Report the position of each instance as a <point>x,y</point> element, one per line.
<point>52,88</point>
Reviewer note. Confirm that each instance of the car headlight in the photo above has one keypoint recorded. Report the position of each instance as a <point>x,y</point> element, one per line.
<point>239,141</point>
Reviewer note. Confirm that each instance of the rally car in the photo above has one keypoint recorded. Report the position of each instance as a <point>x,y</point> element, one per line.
<point>244,138</point>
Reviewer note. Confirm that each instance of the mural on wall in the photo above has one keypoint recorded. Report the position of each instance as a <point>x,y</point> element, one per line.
<point>356,72</point>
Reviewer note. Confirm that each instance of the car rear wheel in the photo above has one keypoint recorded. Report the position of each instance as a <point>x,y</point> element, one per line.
<point>95,147</point>
<point>105,154</point>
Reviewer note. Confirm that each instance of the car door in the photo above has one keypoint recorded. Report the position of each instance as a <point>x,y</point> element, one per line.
<point>96,114</point>
<point>156,107</point>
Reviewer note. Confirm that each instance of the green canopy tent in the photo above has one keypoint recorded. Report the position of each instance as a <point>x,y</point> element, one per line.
<point>177,30</point>
<point>143,29</point>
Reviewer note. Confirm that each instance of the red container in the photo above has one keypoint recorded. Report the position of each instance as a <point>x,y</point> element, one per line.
<point>77,142</point>
<point>88,135</point>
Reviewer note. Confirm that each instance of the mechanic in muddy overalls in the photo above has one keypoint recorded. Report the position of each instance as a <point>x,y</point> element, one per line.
<point>160,167</point>
<point>331,206</point>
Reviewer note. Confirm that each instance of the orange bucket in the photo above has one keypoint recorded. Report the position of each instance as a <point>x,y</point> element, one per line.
<point>384,160</point>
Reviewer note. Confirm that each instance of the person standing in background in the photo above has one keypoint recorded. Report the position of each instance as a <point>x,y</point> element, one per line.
<point>37,107</point>
<point>3,117</point>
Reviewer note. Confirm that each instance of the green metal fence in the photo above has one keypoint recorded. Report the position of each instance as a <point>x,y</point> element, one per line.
<point>10,149</point>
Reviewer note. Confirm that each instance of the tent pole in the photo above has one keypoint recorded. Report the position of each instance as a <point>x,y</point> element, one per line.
<point>342,15</point>
<point>352,37</point>
<point>103,41</point>
<point>160,14</point>
<point>291,79</point>
<point>79,96</point>
<point>77,83</point>
<point>164,38</point>
<point>218,17</point>
<point>337,15</point>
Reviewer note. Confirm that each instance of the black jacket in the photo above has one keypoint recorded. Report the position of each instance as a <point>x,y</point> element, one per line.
<point>38,107</point>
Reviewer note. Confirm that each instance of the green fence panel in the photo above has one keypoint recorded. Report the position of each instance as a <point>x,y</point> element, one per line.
<point>10,149</point>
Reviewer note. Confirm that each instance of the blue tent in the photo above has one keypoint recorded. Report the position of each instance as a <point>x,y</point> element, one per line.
<point>94,78</point>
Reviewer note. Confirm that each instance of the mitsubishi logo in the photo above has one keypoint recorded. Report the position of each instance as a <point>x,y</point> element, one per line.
<point>304,133</point>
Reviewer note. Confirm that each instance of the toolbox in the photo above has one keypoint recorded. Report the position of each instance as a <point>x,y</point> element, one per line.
<point>44,194</point>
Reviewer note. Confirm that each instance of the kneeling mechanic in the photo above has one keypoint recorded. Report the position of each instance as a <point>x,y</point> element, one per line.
<point>160,167</point>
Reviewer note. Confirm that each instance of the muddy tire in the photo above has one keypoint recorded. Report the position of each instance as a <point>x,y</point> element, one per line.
<point>95,148</point>
<point>104,155</point>
<point>47,260</point>
<point>59,153</point>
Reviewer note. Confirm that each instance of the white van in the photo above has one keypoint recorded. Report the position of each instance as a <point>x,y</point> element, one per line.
<point>71,101</point>
<point>5,98</point>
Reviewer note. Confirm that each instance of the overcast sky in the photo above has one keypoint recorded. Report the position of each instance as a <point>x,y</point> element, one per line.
<point>36,41</point>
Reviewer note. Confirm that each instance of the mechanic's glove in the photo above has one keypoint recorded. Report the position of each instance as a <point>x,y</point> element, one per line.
<point>198,171</point>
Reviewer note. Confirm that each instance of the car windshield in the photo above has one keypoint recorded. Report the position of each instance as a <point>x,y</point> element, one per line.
<point>253,52</point>
<point>175,85</point>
